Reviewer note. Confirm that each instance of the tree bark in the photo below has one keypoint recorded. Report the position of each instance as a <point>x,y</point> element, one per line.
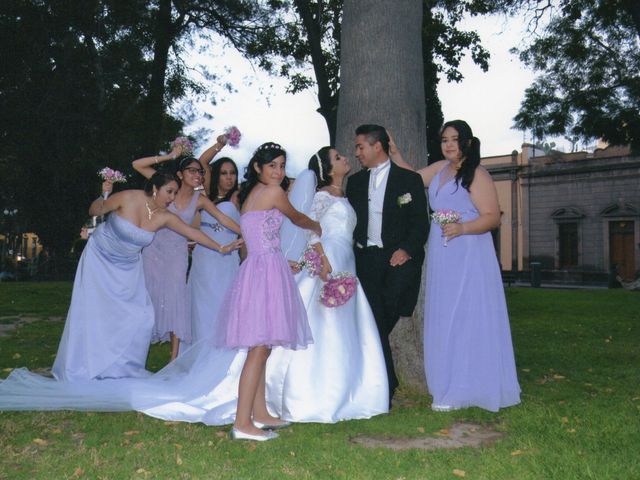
<point>328,101</point>
<point>381,82</point>
<point>163,37</point>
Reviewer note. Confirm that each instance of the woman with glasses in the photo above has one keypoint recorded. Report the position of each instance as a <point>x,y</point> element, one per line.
<point>207,290</point>
<point>165,260</point>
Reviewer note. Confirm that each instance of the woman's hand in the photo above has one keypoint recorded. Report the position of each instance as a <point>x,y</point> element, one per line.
<point>294,266</point>
<point>326,269</point>
<point>317,229</point>
<point>221,140</point>
<point>107,188</point>
<point>393,148</point>
<point>176,152</point>
<point>232,246</point>
<point>453,230</point>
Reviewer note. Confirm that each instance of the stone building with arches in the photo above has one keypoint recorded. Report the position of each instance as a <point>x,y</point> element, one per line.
<point>575,215</point>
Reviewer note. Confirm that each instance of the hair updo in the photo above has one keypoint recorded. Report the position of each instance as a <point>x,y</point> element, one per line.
<point>320,164</point>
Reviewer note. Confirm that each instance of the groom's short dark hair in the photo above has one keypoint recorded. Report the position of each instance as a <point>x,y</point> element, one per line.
<point>375,133</point>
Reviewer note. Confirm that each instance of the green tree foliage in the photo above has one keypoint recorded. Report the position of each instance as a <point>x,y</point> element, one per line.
<point>588,56</point>
<point>307,33</point>
<point>89,84</point>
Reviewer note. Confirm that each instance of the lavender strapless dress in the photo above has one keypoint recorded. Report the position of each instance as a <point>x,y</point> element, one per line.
<point>110,318</point>
<point>263,305</point>
<point>467,340</point>
<point>165,262</point>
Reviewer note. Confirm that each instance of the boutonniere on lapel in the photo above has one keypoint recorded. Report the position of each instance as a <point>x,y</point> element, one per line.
<point>404,199</point>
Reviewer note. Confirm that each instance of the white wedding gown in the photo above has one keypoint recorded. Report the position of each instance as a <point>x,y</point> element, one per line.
<point>341,376</point>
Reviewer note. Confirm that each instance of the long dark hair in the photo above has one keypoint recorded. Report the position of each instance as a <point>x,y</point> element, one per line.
<point>470,149</point>
<point>215,178</point>
<point>320,164</point>
<point>264,154</point>
<point>158,180</point>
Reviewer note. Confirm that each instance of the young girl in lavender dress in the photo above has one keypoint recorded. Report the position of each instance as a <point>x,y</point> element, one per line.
<point>211,273</point>
<point>263,307</point>
<point>468,353</point>
<point>165,260</point>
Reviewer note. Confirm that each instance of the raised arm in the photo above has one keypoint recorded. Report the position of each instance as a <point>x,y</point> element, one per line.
<point>145,166</point>
<point>426,173</point>
<point>177,225</point>
<point>214,211</point>
<point>100,206</point>
<point>207,156</point>
<point>281,202</point>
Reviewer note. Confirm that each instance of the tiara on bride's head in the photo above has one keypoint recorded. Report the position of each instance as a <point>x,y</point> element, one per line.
<point>269,146</point>
<point>319,167</point>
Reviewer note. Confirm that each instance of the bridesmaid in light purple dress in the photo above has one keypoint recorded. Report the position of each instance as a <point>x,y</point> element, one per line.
<point>166,259</point>
<point>108,327</point>
<point>211,272</point>
<point>263,307</point>
<point>468,352</point>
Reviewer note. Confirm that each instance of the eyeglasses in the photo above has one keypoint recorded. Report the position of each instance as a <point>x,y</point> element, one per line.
<point>195,171</point>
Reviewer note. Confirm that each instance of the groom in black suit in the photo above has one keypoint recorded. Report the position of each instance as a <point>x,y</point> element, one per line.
<point>391,230</point>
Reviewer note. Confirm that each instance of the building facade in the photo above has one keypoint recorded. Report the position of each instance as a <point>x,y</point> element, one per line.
<point>576,215</point>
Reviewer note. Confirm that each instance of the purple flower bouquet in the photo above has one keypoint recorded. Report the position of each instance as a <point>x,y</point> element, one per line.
<point>312,261</point>
<point>444,217</point>
<point>114,176</point>
<point>233,136</point>
<point>185,143</point>
<point>338,290</point>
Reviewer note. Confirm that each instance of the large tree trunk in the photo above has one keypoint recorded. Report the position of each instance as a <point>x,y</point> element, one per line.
<point>381,82</point>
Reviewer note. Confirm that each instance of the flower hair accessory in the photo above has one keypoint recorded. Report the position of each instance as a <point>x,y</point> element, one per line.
<point>319,167</point>
<point>233,136</point>
<point>338,290</point>
<point>404,199</point>
<point>184,143</point>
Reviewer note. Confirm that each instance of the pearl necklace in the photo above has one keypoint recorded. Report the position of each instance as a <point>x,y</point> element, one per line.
<point>336,187</point>
<point>150,212</point>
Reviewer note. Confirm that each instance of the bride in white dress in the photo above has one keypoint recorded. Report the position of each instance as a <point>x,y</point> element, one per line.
<point>342,374</point>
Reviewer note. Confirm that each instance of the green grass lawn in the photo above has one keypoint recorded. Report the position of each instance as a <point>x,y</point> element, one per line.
<point>578,357</point>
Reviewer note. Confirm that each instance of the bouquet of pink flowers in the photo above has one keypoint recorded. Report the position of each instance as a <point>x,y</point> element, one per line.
<point>114,176</point>
<point>338,290</point>
<point>233,136</point>
<point>312,261</point>
<point>185,143</point>
<point>444,217</point>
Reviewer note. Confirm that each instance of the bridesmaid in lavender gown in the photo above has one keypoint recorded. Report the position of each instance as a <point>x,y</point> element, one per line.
<point>468,352</point>
<point>263,307</point>
<point>212,273</point>
<point>108,327</point>
<point>165,260</point>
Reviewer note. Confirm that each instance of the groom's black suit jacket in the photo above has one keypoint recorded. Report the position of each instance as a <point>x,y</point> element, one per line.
<point>403,226</point>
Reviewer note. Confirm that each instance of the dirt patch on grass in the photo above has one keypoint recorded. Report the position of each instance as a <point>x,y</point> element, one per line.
<point>10,323</point>
<point>457,436</point>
